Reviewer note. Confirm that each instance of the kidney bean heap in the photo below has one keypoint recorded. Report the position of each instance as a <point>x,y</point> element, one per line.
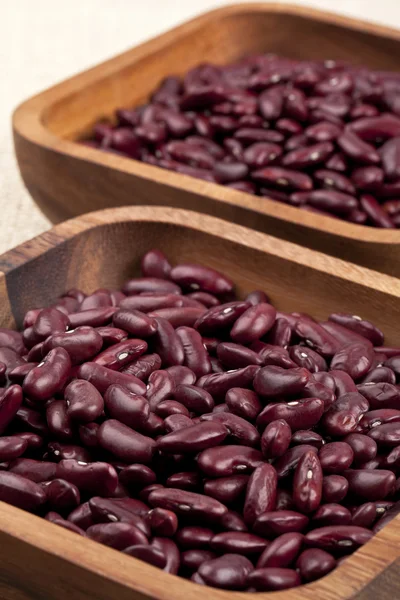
<point>220,439</point>
<point>323,136</point>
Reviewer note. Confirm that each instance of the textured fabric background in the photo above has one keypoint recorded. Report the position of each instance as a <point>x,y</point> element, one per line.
<point>44,41</point>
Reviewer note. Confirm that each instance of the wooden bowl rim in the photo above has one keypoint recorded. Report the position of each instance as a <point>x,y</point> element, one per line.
<point>348,579</point>
<point>29,121</point>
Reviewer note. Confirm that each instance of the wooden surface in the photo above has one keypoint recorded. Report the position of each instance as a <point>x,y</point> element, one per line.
<point>67,179</point>
<point>39,560</point>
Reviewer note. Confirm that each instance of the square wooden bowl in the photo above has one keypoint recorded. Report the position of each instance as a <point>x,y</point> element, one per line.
<point>40,560</point>
<point>68,179</point>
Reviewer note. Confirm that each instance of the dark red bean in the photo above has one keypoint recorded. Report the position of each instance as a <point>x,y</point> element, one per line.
<point>357,149</point>
<point>373,418</point>
<point>380,375</point>
<point>193,439</point>
<point>235,356</point>
<point>116,535</point>
<point>95,478</point>
<point>261,493</point>
<point>149,301</point>
<point>273,579</point>
<point>344,538</point>
<point>124,443</point>
<point>239,430</point>
<point>135,322</point>
<point>181,375</point>
<point>188,504</point>
<point>334,488</point>
<point>243,403</point>
<point>360,326</point>
<point>273,381</point>
<point>254,323</point>
<point>278,522</point>
<point>20,491</point>
<point>381,127</point>
<point>148,554</point>
<point>84,402</point>
<point>170,407</point>
<point>282,178</point>
<point>102,377</point>
<point>224,461</point>
<point>167,344</point>
<point>307,483</point>
<point>93,317</point>
<point>370,484</point>
<point>331,514</point>
<point>192,559</point>
<point>82,343</point>
<point>155,264</point>
<point>149,284</point>
<point>380,395</point>
<point>143,367</point>
<point>307,358</point>
<point>128,408</point>
<point>282,552</point>
<point>226,489</point>
<point>367,178</point>
<point>12,447</point>
<point>62,495</point>
<point>228,572</point>
<point>375,212</point>
<point>194,537</point>
<point>238,542</point>
<point>287,463</point>
<point>307,436</point>
<point>298,414</point>
<point>364,448</point>
<point>57,452</point>
<point>387,517</point>
<point>49,377</point>
<point>343,416</point>
<point>364,515</point>
<point>220,317</point>
<point>10,405</point>
<point>186,480</point>
<point>217,384</point>
<point>387,434</point>
<point>58,420</point>
<point>313,564</point>
<point>335,457</point>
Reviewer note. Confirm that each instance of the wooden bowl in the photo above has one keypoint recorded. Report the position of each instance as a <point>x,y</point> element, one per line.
<point>67,179</point>
<point>41,560</point>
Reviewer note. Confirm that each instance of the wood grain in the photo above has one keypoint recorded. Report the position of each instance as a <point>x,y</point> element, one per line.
<point>39,559</point>
<point>68,179</point>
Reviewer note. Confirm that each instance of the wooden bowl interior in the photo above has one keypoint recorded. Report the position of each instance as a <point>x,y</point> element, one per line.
<point>108,254</point>
<point>221,38</point>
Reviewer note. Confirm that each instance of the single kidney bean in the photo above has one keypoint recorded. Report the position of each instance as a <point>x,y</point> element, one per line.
<point>82,516</point>
<point>102,377</point>
<point>182,375</point>
<point>261,493</point>
<point>380,395</point>
<point>189,504</point>
<point>70,526</point>
<point>307,436</point>
<point>20,491</point>
<point>84,402</point>
<point>11,359</point>
<point>49,377</point>
<point>176,422</point>
<point>193,439</point>
<point>360,326</point>
<point>380,375</point>
<point>126,444</point>
<point>33,440</point>
<point>217,384</point>
<point>88,434</point>
<point>195,355</point>
<point>159,387</point>
<point>339,538</point>
<point>170,407</point>
<point>162,522</point>
<point>155,264</point>
<point>119,355</point>
<point>374,484</point>
<point>137,475</point>
<point>284,500</point>
<point>47,322</point>
<point>126,510</point>
<point>98,299</point>
<point>393,459</point>
<point>243,403</point>
<point>298,414</point>
<point>232,521</point>
<point>224,461</point>
<point>281,178</point>
<point>287,463</point>
<point>273,579</point>
<point>282,552</point>
<point>10,404</point>
<point>307,483</point>
<point>228,572</point>
<point>170,551</point>
<point>273,381</point>
<point>375,212</point>
<point>220,317</point>
<point>275,439</point>
<point>387,517</point>
<point>364,448</point>
<point>275,523</point>
<point>364,515</point>
<point>334,488</point>
<point>135,322</point>
<point>239,430</point>
<point>192,559</point>
<point>280,333</point>
<point>195,276</point>
<point>12,447</point>
<point>381,127</point>
<point>343,382</point>
<point>331,514</point>
<point>273,355</point>
<point>116,535</point>
<point>357,149</point>
<point>147,302</point>
<point>308,359</point>
<point>238,542</point>
<point>143,367</point>
<point>343,416</point>
<point>148,554</point>
<point>392,363</point>
<point>128,408</point>
<point>195,399</point>
<point>58,420</point>
<point>167,344</point>
<point>12,339</point>
<point>355,359</point>
<point>387,434</point>
<point>235,356</point>
<point>94,317</point>
<point>149,284</point>
<point>204,298</point>
<point>179,316</point>
<point>18,374</point>
<point>62,495</point>
<point>226,489</point>
<point>146,491</point>
<point>34,470</point>
<point>95,478</point>
<point>313,564</point>
<point>194,537</point>
<point>373,418</point>
<point>186,480</point>
<point>335,457</point>
<point>30,418</point>
<point>254,323</point>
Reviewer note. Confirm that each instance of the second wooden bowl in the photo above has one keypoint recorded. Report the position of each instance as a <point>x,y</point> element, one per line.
<point>68,179</point>
<point>41,560</point>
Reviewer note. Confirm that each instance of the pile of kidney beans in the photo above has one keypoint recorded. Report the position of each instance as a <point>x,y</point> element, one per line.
<point>220,439</point>
<point>323,136</point>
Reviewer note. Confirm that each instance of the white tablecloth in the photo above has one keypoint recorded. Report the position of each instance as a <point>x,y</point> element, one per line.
<point>44,41</point>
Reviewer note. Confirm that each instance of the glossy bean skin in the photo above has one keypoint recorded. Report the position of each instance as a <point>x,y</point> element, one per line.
<point>218,384</point>
<point>203,278</point>
<point>307,483</point>
<point>307,436</point>
<point>195,355</point>
<point>271,524</point>
<point>57,451</point>
<point>162,522</point>
<point>193,439</point>
<point>96,478</point>
<point>238,542</point>
<point>117,535</point>
<point>144,366</point>
<point>128,408</point>
<point>226,489</point>
<point>170,551</point>
<point>135,322</point>
<point>360,326</point>
<point>260,493</point>
<point>119,355</point>
<point>82,343</point>
<point>102,377</point>
<point>188,504</point>
<point>49,377</point>
<point>62,495</point>
<point>273,579</point>
<point>364,447</point>
<point>243,403</point>
<point>58,420</point>
<point>93,317</point>
<point>380,375</point>
<point>228,572</point>
<point>111,335</point>
<point>182,375</point>
<point>338,538</point>
<point>335,457</point>
<point>10,403</point>
<point>276,381</point>
<point>254,323</point>
<point>239,430</point>
<point>380,395</point>
<point>286,464</point>
<point>364,515</point>
<point>314,564</point>
<point>316,337</point>
<point>331,514</point>
<point>34,470</point>
<point>220,317</point>
<point>124,443</point>
<point>373,418</point>
<point>370,484</point>
<point>334,488</point>
<point>308,359</point>
<point>298,414</point>
<point>125,510</point>
<point>148,554</point>
<point>224,461</point>
<point>21,492</point>
<point>194,537</point>
<point>192,559</point>
<point>167,344</point>
<point>282,552</point>
<point>387,434</point>
<point>84,402</point>
<point>155,264</point>
<point>275,439</point>
<point>343,416</point>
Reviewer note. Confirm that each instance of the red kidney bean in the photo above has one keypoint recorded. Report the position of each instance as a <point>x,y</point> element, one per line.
<point>33,440</point>
<point>12,447</point>
<point>179,317</point>
<point>364,515</point>
<point>282,178</point>
<point>128,408</point>
<point>149,284</point>
<point>298,414</point>
<point>307,436</point>
<point>238,542</point>
<point>82,516</point>
<point>67,525</point>
<point>316,337</point>
<point>20,491</point>
<point>170,551</point>
<point>18,374</point>
<point>367,178</point>
<point>255,322</point>
<point>62,495</point>
<point>167,344</point>
<point>189,504</point>
<point>186,480</point>
<point>119,355</point>
<point>84,402</point>
<point>195,399</point>
<point>93,317</point>
<point>98,299</point>
<point>96,477</point>
<point>331,514</point>
<point>135,322</point>
<point>170,407</point>
<point>335,457</point>
<point>271,102</point>
<point>34,470</point>
<point>225,461</point>
<point>370,484</point>
<point>261,493</point>
<point>360,326</point>
<point>243,403</point>
<point>193,439</point>
<point>313,564</point>
<point>143,367</point>
<point>387,517</point>
<point>102,377</point>
<point>275,439</point>
<point>375,212</point>
<point>220,317</point>
<point>226,489</point>
<point>176,422</point>
<point>124,443</point>
<point>192,559</point>
<point>343,538</point>
<point>357,149</point>
<point>217,384</point>
<point>273,579</point>
<point>280,333</point>
<point>10,405</point>
<point>228,572</point>
<point>364,448</point>
<point>380,375</point>
<point>307,483</point>
<point>239,430</point>
<point>287,463</point>
<point>273,355</point>
<point>57,452</point>
<point>47,322</point>
<point>278,522</point>
<point>49,377</point>
<point>307,358</point>
<point>182,375</point>
<point>194,276</point>
<point>344,335</point>
<point>162,522</point>
<point>126,510</point>
<point>380,395</point>
<point>392,363</point>
<point>381,127</point>
<point>88,434</point>
<point>150,301</point>
<point>387,434</point>
<point>159,387</point>
<point>116,535</point>
<point>58,420</point>
<point>343,416</point>
<point>232,521</point>
<point>148,554</point>
<point>309,156</point>
<point>82,343</point>
<point>374,418</point>
<point>282,552</point>
<point>261,154</point>
<point>195,355</point>
<point>235,356</point>
<point>273,381</point>
<point>194,537</point>
<point>155,264</point>
<point>206,299</point>
<point>334,488</point>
